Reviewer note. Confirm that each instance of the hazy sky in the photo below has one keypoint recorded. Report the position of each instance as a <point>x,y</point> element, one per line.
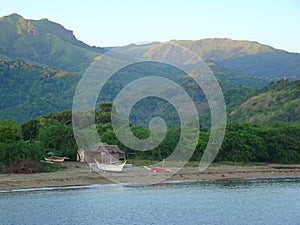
<point>117,22</point>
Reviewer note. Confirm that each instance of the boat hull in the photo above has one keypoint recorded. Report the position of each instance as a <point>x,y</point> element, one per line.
<point>55,159</point>
<point>110,167</point>
<point>158,169</point>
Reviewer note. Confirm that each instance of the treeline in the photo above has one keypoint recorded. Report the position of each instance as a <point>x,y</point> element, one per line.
<point>22,146</point>
<point>273,143</point>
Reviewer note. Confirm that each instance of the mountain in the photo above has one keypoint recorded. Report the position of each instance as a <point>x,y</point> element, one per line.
<point>279,101</point>
<point>247,57</point>
<point>45,43</point>
<point>41,63</point>
<point>50,44</point>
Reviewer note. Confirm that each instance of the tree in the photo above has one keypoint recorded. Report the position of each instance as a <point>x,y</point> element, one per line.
<point>30,129</point>
<point>15,152</point>
<point>242,144</point>
<point>104,114</point>
<point>283,141</point>
<point>59,138</point>
<point>10,131</point>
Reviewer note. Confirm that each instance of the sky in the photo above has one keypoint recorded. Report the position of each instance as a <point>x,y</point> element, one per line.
<point>106,23</point>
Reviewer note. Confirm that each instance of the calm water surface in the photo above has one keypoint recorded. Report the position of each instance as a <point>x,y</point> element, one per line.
<point>252,201</point>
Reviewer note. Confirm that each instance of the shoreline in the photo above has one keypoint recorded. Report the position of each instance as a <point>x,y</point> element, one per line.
<point>78,175</point>
<point>86,186</point>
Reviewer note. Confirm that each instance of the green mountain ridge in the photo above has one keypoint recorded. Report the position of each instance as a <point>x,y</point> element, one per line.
<point>48,43</point>
<point>246,57</point>
<point>45,43</point>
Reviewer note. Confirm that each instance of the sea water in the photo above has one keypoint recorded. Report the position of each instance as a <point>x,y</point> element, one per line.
<point>246,201</point>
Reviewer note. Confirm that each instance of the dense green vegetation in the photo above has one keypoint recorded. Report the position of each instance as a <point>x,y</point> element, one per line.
<point>24,145</point>
<point>18,155</point>
<point>280,101</point>
<point>28,91</point>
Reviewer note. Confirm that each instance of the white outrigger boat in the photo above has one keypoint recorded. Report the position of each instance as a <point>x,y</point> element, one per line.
<point>110,167</point>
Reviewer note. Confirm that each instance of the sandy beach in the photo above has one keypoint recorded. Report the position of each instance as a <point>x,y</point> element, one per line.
<point>79,174</point>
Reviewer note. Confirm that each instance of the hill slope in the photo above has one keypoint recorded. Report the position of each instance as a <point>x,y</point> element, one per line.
<point>245,56</point>
<point>44,42</point>
<point>277,102</point>
<point>248,57</point>
<point>28,91</point>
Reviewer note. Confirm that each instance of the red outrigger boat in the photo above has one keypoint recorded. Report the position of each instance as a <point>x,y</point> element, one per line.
<point>55,159</point>
<point>157,169</point>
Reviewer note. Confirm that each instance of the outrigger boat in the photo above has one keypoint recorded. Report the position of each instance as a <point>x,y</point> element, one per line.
<point>55,159</point>
<point>158,169</point>
<point>110,167</point>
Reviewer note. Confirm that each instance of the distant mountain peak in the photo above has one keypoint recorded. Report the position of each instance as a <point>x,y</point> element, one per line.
<point>22,25</point>
<point>44,42</point>
<point>13,16</point>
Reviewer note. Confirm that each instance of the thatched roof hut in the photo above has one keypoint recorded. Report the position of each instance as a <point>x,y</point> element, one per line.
<point>101,152</point>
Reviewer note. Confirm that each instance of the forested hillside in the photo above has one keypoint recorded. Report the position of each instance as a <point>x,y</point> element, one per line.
<point>28,91</point>
<point>280,101</point>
